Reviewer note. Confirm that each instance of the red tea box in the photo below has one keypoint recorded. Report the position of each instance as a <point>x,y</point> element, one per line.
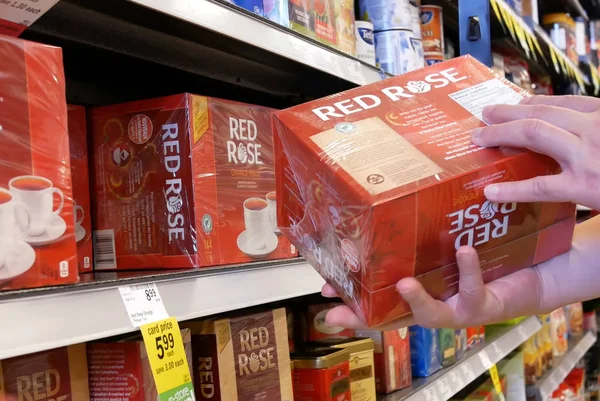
<point>60,374</point>
<point>121,370</point>
<point>242,358</point>
<point>184,181</point>
<point>37,233</point>
<point>318,329</point>
<point>382,182</point>
<point>392,359</point>
<point>81,186</point>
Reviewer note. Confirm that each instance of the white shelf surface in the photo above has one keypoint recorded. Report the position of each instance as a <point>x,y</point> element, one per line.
<point>551,380</point>
<point>267,36</point>
<point>444,384</point>
<point>50,319</point>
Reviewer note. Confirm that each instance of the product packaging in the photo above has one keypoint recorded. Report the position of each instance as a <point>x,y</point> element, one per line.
<point>460,339</point>
<point>60,374</point>
<point>81,186</point>
<point>322,375</point>
<point>37,230</point>
<point>386,14</point>
<point>122,369</point>
<point>560,335</point>
<point>432,30</point>
<point>302,17</point>
<point>324,22</point>
<point>242,358</point>
<point>184,181</point>
<point>254,6</point>
<point>344,26</point>
<point>277,11</point>
<point>392,359</point>
<point>382,182</point>
<point>365,42</point>
<point>317,326</point>
<point>447,346</point>
<point>362,370</point>
<point>574,316</point>
<point>425,355</point>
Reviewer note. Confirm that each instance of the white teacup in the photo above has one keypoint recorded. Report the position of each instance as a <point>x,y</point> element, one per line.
<point>256,219</point>
<point>37,193</point>
<point>272,209</point>
<point>79,214</point>
<point>15,221</point>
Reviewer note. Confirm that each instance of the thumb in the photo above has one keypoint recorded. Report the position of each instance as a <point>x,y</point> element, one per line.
<point>471,287</point>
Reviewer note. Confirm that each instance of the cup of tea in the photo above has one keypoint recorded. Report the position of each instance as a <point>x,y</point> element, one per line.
<point>79,214</point>
<point>256,220</point>
<point>37,193</point>
<point>272,210</point>
<point>14,222</point>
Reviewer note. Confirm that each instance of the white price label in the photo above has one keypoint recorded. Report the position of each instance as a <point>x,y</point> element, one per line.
<point>522,333</point>
<point>143,303</point>
<point>467,372</point>
<point>443,388</point>
<point>485,360</point>
<point>457,379</point>
<point>430,394</point>
<point>24,12</point>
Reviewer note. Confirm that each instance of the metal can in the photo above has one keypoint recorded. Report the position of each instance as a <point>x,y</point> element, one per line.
<point>362,364</point>
<point>415,18</point>
<point>395,52</point>
<point>431,59</point>
<point>322,375</point>
<point>386,14</point>
<point>432,29</point>
<point>417,45</point>
<point>365,42</point>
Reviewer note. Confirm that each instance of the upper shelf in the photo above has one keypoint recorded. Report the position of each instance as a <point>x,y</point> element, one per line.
<point>53,317</point>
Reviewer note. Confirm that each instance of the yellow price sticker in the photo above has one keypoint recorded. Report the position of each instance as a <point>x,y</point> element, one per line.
<point>496,381</point>
<point>168,362</point>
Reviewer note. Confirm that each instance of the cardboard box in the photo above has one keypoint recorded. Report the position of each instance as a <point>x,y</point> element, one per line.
<point>184,181</point>
<point>425,353</point>
<point>60,374</point>
<point>37,234</point>
<point>392,359</point>
<point>382,182</point>
<point>81,186</point>
<point>242,358</point>
<point>121,370</point>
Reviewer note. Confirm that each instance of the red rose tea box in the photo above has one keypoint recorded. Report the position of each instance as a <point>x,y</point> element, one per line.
<point>121,370</point>
<point>37,234</point>
<point>60,374</point>
<point>382,182</point>
<point>81,186</point>
<point>242,358</point>
<point>184,181</point>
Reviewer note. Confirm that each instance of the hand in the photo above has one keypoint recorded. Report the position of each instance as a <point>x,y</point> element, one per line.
<point>475,304</point>
<point>562,127</point>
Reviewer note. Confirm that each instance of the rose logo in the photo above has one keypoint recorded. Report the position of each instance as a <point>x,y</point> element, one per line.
<point>254,363</point>
<point>488,210</point>
<point>174,204</point>
<point>242,153</point>
<point>418,87</point>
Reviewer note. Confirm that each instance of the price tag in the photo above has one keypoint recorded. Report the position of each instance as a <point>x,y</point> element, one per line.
<point>443,388</point>
<point>430,394</point>
<point>143,304</point>
<point>24,12</point>
<point>496,382</point>
<point>457,379</point>
<point>467,372</point>
<point>167,359</point>
<point>485,360</point>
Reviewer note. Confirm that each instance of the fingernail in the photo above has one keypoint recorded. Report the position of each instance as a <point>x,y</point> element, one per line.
<point>403,287</point>
<point>486,113</point>
<point>476,136</point>
<point>491,191</point>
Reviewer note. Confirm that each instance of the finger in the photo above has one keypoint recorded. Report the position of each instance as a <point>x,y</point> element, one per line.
<point>471,287</point>
<point>569,120</point>
<point>583,104</point>
<point>328,291</point>
<point>343,316</point>
<point>535,135</point>
<point>550,188</point>
<point>426,310</point>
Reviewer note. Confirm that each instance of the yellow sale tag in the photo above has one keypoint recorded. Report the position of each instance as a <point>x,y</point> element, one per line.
<point>496,382</point>
<point>166,354</point>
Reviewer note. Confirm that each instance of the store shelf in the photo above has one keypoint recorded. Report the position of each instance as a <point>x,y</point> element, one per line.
<point>562,366</point>
<point>447,382</point>
<point>50,318</point>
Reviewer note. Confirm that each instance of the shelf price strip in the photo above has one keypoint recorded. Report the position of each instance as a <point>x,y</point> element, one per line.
<point>163,342</point>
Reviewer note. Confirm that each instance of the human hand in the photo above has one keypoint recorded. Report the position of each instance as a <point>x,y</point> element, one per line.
<point>475,304</point>
<point>562,127</point>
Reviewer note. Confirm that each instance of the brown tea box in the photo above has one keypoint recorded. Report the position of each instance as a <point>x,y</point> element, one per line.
<point>243,358</point>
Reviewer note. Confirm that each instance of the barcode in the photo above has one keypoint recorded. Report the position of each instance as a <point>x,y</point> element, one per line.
<point>104,249</point>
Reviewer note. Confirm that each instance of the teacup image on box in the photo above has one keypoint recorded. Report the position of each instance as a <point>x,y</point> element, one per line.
<point>37,239</point>
<point>184,181</point>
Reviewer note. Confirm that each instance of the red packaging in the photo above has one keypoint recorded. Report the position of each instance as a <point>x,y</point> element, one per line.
<point>121,370</point>
<point>184,181</point>
<point>60,374</point>
<point>325,22</point>
<point>321,375</point>
<point>81,186</point>
<point>392,359</point>
<point>37,241</point>
<point>318,328</point>
<point>382,182</point>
